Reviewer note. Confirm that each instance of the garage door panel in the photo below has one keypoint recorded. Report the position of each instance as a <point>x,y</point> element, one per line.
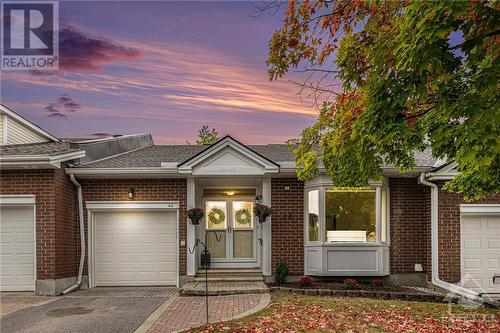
<point>481,252</point>
<point>134,248</point>
<point>17,248</point>
<point>493,243</point>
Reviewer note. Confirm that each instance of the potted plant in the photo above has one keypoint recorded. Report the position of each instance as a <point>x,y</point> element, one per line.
<point>195,215</point>
<point>262,212</point>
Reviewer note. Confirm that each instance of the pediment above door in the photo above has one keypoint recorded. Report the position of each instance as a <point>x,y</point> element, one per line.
<point>228,157</point>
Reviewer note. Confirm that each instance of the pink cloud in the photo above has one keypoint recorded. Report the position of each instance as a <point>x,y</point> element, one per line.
<point>80,51</point>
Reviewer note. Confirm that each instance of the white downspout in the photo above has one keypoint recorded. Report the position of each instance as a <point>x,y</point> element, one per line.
<point>435,246</point>
<point>82,237</point>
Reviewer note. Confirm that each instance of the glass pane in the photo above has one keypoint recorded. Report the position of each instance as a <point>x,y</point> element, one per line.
<point>242,214</point>
<point>217,245</point>
<point>243,243</point>
<point>383,220</point>
<point>216,214</point>
<point>350,215</point>
<point>313,219</point>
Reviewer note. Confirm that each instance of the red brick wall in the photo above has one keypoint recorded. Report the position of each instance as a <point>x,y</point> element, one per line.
<point>55,223</point>
<point>449,232</point>
<point>409,225</point>
<point>145,190</point>
<point>287,196</point>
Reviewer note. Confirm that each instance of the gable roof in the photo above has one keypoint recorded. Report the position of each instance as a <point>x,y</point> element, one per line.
<point>31,126</point>
<point>154,156</point>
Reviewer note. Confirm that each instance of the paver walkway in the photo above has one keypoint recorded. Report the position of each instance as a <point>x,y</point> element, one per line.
<point>181,313</point>
<point>224,288</point>
<point>125,292</point>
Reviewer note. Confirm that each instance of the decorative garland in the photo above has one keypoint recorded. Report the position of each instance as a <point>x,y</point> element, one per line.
<point>216,216</point>
<point>243,216</point>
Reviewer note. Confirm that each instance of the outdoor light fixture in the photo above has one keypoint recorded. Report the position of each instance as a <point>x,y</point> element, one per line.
<point>258,199</point>
<point>230,193</point>
<point>131,193</point>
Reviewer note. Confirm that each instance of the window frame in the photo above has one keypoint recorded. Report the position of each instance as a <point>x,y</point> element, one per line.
<point>379,187</point>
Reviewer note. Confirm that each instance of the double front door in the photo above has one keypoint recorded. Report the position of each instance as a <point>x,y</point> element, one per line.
<point>230,229</point>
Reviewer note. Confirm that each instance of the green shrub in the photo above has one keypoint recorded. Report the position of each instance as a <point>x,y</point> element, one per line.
<point>281,272</point>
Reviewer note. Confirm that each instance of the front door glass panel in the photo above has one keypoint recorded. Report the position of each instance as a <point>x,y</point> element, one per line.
<point>242,230</point>
<point>216,224</point>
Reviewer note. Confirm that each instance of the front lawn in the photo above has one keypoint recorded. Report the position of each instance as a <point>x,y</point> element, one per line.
<point>297,313</point>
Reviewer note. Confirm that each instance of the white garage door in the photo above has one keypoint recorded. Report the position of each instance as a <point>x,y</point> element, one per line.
<point>481,252</point>
<point>17,250</point>
<point>135,248</point>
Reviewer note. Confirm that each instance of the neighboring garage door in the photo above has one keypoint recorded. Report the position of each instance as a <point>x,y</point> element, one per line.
<point>137,248</point>
<point>17,248</point>
<point>481,252</point>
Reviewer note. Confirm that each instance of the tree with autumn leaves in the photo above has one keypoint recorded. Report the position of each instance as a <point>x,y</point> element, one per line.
<point>411,75</point>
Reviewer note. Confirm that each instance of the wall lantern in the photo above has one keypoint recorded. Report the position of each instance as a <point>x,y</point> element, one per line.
<point>258,200</point>
<point>131,193</point>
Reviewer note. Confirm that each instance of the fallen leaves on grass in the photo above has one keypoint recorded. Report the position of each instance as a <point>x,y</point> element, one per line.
<point>289,316</point>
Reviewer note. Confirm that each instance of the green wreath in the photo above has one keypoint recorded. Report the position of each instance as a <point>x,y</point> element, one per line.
<point>243,216</point>
<point>216,216</point>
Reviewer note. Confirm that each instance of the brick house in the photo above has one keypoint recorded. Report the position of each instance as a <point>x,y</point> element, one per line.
<point>126,197</point>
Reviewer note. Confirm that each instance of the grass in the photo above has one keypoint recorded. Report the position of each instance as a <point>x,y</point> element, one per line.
<point>297,313</point>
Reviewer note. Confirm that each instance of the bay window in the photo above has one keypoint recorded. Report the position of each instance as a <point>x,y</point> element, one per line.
<point>346,229</point>
<point>346,214</point>
<point>350,215</point>
<point>313,216</point>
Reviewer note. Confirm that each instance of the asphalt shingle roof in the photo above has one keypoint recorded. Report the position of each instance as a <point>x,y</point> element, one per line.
<point>44,148</point>
<point>153,156</point>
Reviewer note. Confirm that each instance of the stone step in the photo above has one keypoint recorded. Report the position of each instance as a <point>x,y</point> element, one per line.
<point>230,275</point>
<point>231,271</point>
<point>225,278</point>
<point>223,288</point>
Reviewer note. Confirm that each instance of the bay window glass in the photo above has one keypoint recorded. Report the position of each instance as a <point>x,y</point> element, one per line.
<point>313,216</point>
<point>350,215</point>
<point>383,217</point>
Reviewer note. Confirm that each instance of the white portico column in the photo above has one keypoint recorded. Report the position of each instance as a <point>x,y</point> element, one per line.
<point>266,229</point>
<point>191,229</point>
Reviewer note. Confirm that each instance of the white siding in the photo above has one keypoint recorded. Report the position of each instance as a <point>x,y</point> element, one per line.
<point>1,129</point>
<point>18,133</point>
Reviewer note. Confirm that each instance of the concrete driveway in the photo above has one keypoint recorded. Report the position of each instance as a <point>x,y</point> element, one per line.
<point>95,310</point>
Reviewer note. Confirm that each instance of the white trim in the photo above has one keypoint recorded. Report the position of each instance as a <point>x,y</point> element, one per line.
<point>120,171</point>
<point>187,166</point>
<point>27,123</point>
<point>447,172</point>
<point>111,138</point>
<point>266,229</point>
<point>478,209</point>
<point>24,200</point>
<point>99,206</point>
<point>15,199</point>
<point>39,160</point>
<point>191,229</point>
<point>121,205</point>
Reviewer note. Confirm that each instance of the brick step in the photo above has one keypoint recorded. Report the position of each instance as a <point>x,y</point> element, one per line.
<point>223,288</point>
<point>225,278</point>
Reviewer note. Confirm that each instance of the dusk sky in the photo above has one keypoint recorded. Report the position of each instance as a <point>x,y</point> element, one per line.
<point>161,67</point>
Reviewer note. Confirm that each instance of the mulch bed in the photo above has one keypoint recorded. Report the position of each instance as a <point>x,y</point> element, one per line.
<point>367,290</point>
<point>335,285</point>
